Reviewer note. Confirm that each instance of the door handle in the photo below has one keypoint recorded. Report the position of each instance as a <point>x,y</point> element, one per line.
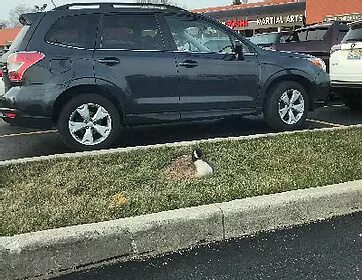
<point>189,64</point>
<point>109,60</point>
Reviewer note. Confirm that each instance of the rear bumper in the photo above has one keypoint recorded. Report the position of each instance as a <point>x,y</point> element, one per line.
<point>16,117</point>
<point>344,84</point>
<point>26,106</point>
<point>347,88</point>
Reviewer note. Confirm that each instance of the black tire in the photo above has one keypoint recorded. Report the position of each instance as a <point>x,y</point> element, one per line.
<point>352,103</point>
<point>273,102</point>
<point>111,123</point>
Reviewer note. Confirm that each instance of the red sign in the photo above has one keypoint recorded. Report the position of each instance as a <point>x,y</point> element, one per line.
<point>236,22</point>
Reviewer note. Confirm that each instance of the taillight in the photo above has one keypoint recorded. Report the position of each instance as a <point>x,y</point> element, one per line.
<point>19,62</point>
<point>336,48</point>
<point>1,72</point>
<point>10,115</point>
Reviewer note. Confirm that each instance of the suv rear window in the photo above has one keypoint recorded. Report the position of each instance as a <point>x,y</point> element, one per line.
<point>131,32</point>
<point>15,45</point>
<point>354,35</point>
<point>75,31</point>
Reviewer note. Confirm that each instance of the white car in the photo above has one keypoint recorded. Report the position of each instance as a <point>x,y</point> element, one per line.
<point>346,67</point>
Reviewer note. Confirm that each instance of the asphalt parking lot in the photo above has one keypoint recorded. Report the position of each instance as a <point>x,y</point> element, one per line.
<point>323,250</point>
<point>17,142</point>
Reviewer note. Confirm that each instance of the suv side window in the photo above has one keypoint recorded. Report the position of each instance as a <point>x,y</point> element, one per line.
<point>75,31</point>
<point>309,35</point>
<point>191,35</point>
<point>131,32</point>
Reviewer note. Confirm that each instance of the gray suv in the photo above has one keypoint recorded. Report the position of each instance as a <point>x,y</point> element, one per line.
<point>90,69</point>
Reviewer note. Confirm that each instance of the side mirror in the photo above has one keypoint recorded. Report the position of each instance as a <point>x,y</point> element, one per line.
<point>239,50</point>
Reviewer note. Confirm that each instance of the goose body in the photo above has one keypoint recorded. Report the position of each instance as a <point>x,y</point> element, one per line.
<point>203,169</point>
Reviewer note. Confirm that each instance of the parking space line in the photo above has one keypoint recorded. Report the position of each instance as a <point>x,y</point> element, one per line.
<point>29,133</point>
<point>326,123</point>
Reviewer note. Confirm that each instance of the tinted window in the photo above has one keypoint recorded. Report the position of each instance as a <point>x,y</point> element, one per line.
<point>300,36</point>
<point>132,32</point>
<point>316,35</point>
<point>199,36</point>
<point>76,31</point>
<point>265,39</point>
<point>354,35</point>
<point>284,37</point>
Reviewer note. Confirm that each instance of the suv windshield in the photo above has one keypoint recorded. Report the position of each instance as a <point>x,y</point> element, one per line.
<point>354,35</point>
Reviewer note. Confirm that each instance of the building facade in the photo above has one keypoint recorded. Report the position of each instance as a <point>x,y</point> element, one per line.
<point>7,36</point>
<point>268,16</point>
<point>280,15</point>
<point>345,10</point>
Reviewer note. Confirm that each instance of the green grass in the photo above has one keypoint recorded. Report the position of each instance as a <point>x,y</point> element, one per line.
<point>64,192</point>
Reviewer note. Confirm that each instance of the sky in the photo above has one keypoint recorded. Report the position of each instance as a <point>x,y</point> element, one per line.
<point>7,5</point>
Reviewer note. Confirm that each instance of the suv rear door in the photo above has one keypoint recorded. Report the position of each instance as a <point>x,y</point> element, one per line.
<point>130,59</point>
<point>211,81</point>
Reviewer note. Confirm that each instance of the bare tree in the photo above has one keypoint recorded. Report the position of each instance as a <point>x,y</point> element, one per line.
<point>15,13</point>
<point>3,23</point>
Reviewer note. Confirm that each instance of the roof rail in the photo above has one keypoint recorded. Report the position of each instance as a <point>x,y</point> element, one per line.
<point>116,5</point>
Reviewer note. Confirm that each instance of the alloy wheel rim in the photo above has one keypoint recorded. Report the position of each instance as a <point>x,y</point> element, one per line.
<point>291,106</point>
<point>90,124</point>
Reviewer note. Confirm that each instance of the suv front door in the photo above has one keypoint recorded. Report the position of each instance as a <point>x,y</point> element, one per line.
<point>130,58</point>
<point>212,81</point>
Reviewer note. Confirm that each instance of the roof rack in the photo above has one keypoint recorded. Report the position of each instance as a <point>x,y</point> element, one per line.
<point>116,5</point>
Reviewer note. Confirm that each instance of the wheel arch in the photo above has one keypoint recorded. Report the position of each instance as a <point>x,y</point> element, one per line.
<point>74,91</point>
<point>298,77</point>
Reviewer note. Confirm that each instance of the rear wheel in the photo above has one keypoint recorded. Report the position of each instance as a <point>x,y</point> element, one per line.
<point>89,121</point>
<point>287,106</point>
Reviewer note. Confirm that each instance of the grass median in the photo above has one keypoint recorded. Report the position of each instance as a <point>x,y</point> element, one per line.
<point>63,192</point>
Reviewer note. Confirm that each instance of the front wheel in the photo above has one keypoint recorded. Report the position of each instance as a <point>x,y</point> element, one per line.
<point>287,106</point>
<point>89,121</point>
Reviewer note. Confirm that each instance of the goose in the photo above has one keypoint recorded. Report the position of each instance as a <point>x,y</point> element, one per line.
<point>203,169</point>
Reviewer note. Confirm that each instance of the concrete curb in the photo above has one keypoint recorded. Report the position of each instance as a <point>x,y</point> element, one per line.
<point>176,144</point>
<point>46,253</point>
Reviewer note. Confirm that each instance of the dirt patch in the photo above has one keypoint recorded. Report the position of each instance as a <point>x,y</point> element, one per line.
<point>118,200</point>
<point>181,168</point>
